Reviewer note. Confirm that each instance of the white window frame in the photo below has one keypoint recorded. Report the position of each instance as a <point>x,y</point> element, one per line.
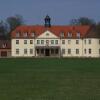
<point>25,41</point>
<point>25,51</point>
<point>17,42</point>
<point>17,51</point>
<point>69,51</point>
<point>63,41</point>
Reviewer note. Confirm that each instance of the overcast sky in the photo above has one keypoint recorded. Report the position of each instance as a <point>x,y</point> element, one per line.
<point>60,11</point>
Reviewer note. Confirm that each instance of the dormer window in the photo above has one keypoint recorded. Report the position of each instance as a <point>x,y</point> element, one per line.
<point>25,34</point>
<point>4,45</point>
<point>69,35</point>
<point>33,34</point>
<point>62,35</point>
<point>17,34</point>
<point>78,35</point>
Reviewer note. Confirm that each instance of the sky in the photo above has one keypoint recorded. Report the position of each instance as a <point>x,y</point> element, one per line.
<point>60,11</point>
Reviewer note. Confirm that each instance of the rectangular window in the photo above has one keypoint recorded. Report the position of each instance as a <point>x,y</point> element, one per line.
<point>52,41</point>
<point>17,41</point>
<point>69,41</point>
<point>33,34</point>
<point>38,41</point>
<point>78,35</point>
<point>99,51</point>
<point>89,41</point>
<point>77,41</point>
<point>99,41</point>
<point>25,51</point>
<point>63,51</point>
<point>69,35</point>
<point>17,34</point>
<point>62,34</point>
<point>84,41</point>
<point>25,34</point>
<point>63,41</point>
<point>17,51</point>
<point>31,41</point>
<point>56,41</point>
<point>77,51</point>
<point>84,51</point>
<point>89,51</point>
<point>69,51</point>
<point>31,51</point>
<point>42,41</point>
<point>25,41</point>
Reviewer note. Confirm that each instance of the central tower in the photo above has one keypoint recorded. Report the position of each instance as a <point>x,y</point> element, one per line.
<point>47,21</point>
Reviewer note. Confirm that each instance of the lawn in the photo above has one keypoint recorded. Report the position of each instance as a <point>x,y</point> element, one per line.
<point>49,79</point>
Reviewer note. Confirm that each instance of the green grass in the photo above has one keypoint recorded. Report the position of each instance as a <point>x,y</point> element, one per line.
<point>49,79</point>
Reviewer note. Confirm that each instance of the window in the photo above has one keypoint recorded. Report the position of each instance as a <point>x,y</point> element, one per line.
<point>4,45</point>
<point>56,41</point>
<point>17,41</point>
<point>38,41</point>
<point>31,51</point>
<point>99,51</point>
<point>25,51</point>
<point>69,41</point>
<point>17,51</point>
<point>32,34</point>
<point>42,41</point>
<point>77,41</point>
<point>47,34</point>
<point>31,41</point>
<point>69,51</point>
<point>84,41</point>
<point>17,34</point>
<point>47,42</point>
<point>52,41</point>
<point>63,51</point>
<point>62,35</point>
<point>84,51</point>
<point>69,35</point>
<point>25,41</point>
<point>25,34</point>
<point>77,51</point>
<point>99,41</point>
<point>89,51</point>
<point>89,41</point>
<point>78,35</point>
<point>63,41</point>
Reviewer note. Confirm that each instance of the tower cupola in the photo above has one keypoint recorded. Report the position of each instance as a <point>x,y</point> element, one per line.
<point>47,21</point>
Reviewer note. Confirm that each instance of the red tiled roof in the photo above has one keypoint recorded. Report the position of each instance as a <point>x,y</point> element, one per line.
<point>39,29</point>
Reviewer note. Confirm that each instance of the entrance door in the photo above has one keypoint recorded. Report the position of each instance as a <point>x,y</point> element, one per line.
<point>47,52</point>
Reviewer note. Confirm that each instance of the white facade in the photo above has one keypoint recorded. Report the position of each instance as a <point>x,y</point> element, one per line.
<point>87,47</point>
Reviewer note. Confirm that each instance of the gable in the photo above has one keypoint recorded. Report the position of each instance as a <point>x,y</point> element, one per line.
<point>48,34</point>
